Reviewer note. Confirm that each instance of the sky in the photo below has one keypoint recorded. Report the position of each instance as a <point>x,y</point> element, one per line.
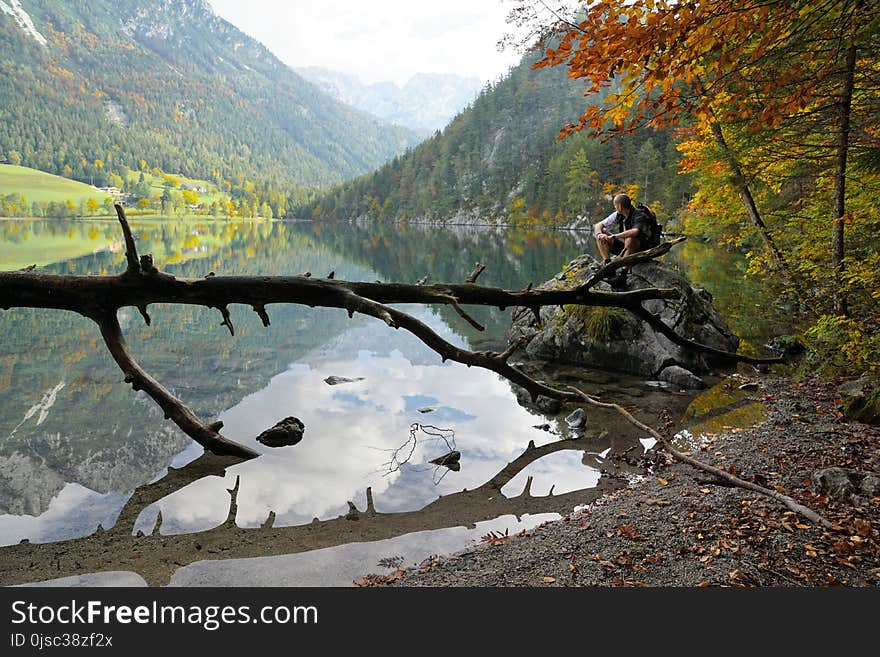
<point>379,40</point>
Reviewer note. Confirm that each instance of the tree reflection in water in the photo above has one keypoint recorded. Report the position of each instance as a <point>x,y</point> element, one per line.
<point>157,556</point>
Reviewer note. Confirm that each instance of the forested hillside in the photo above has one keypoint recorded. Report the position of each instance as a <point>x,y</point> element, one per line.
<point>500,160</point>
<point>89,88</point>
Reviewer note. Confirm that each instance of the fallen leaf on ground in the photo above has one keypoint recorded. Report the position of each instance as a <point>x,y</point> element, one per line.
<point>863,527</point>
<point>629,531</point>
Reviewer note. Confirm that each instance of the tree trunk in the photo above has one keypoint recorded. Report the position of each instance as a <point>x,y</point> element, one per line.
<point>745,192</point>
<point>844,113</point>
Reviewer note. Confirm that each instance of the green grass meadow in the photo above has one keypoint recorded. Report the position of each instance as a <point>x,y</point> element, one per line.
<point>21,247</point>
<point>41,187</point>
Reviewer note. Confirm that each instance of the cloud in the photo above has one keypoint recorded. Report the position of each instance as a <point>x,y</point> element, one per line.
<point>380,40</point>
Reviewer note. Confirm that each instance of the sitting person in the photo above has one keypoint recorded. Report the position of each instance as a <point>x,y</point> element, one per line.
<point>635,232</point>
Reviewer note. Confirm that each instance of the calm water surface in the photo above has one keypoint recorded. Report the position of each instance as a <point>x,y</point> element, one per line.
<point>75,441</point>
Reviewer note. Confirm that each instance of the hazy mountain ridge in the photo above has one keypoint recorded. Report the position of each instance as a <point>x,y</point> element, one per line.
<point>426,103</point>
<point>171,83</point>
<point>500,161</point>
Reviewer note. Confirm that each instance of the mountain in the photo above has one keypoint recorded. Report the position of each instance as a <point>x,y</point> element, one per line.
<point>93,86</point>
<point>426,103</point>
<point>500,161</point>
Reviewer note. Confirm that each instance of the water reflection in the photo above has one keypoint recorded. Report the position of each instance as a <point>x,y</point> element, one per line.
<point>158,556</point>
<point>342,564</point>
<point>353,430</point>
<point>75,442</point>
<point>749,308</point>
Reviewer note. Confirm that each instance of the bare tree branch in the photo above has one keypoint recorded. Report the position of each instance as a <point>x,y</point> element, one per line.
<point>100,297</point>
<point>655,322</point>
<point>718,472</point>
<point>478,269</point>
<point>130,248</point>
<point>173,408</point>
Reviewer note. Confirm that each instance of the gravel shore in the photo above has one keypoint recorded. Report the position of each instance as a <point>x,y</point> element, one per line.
<point>682,527</point>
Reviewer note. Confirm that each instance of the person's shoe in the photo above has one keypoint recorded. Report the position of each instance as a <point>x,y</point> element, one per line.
<point>613,274</point>
<point>618,283</point>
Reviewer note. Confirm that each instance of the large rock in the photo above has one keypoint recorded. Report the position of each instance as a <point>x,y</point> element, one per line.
<point>844,483</point>
<point>614,339</point>
<point>288,431</point>
<point>861,400</point>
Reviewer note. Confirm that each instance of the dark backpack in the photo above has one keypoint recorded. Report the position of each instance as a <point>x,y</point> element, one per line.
<point>648,217</point>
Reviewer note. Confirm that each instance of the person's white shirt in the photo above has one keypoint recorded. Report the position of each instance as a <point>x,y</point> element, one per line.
<point>610,220</point>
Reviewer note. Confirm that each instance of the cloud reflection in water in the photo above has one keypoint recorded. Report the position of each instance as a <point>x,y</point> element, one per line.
<point>351,432</point>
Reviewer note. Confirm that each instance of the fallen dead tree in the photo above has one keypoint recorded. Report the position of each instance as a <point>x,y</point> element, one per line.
<point>99,298</point>
<point>717,472</point>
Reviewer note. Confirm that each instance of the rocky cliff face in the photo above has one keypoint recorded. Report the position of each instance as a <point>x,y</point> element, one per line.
<point>614,339</point>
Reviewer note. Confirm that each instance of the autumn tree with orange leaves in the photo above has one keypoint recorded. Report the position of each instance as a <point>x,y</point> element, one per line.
<point>778,108</point>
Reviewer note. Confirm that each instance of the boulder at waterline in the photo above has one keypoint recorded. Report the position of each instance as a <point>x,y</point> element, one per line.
<point>614,339</point>
<point>288,431</point>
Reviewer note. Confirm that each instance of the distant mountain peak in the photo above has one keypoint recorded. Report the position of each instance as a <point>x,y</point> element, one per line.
<point>425,103</point>
<point>163,19</point>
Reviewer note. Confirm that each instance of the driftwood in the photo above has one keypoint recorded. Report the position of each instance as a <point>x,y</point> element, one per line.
<point>100,297</point>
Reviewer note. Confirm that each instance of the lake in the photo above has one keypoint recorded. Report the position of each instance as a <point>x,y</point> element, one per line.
<point>76,442</point>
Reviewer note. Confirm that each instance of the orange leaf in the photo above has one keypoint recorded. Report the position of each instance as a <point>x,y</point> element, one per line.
<point>629,531</point>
